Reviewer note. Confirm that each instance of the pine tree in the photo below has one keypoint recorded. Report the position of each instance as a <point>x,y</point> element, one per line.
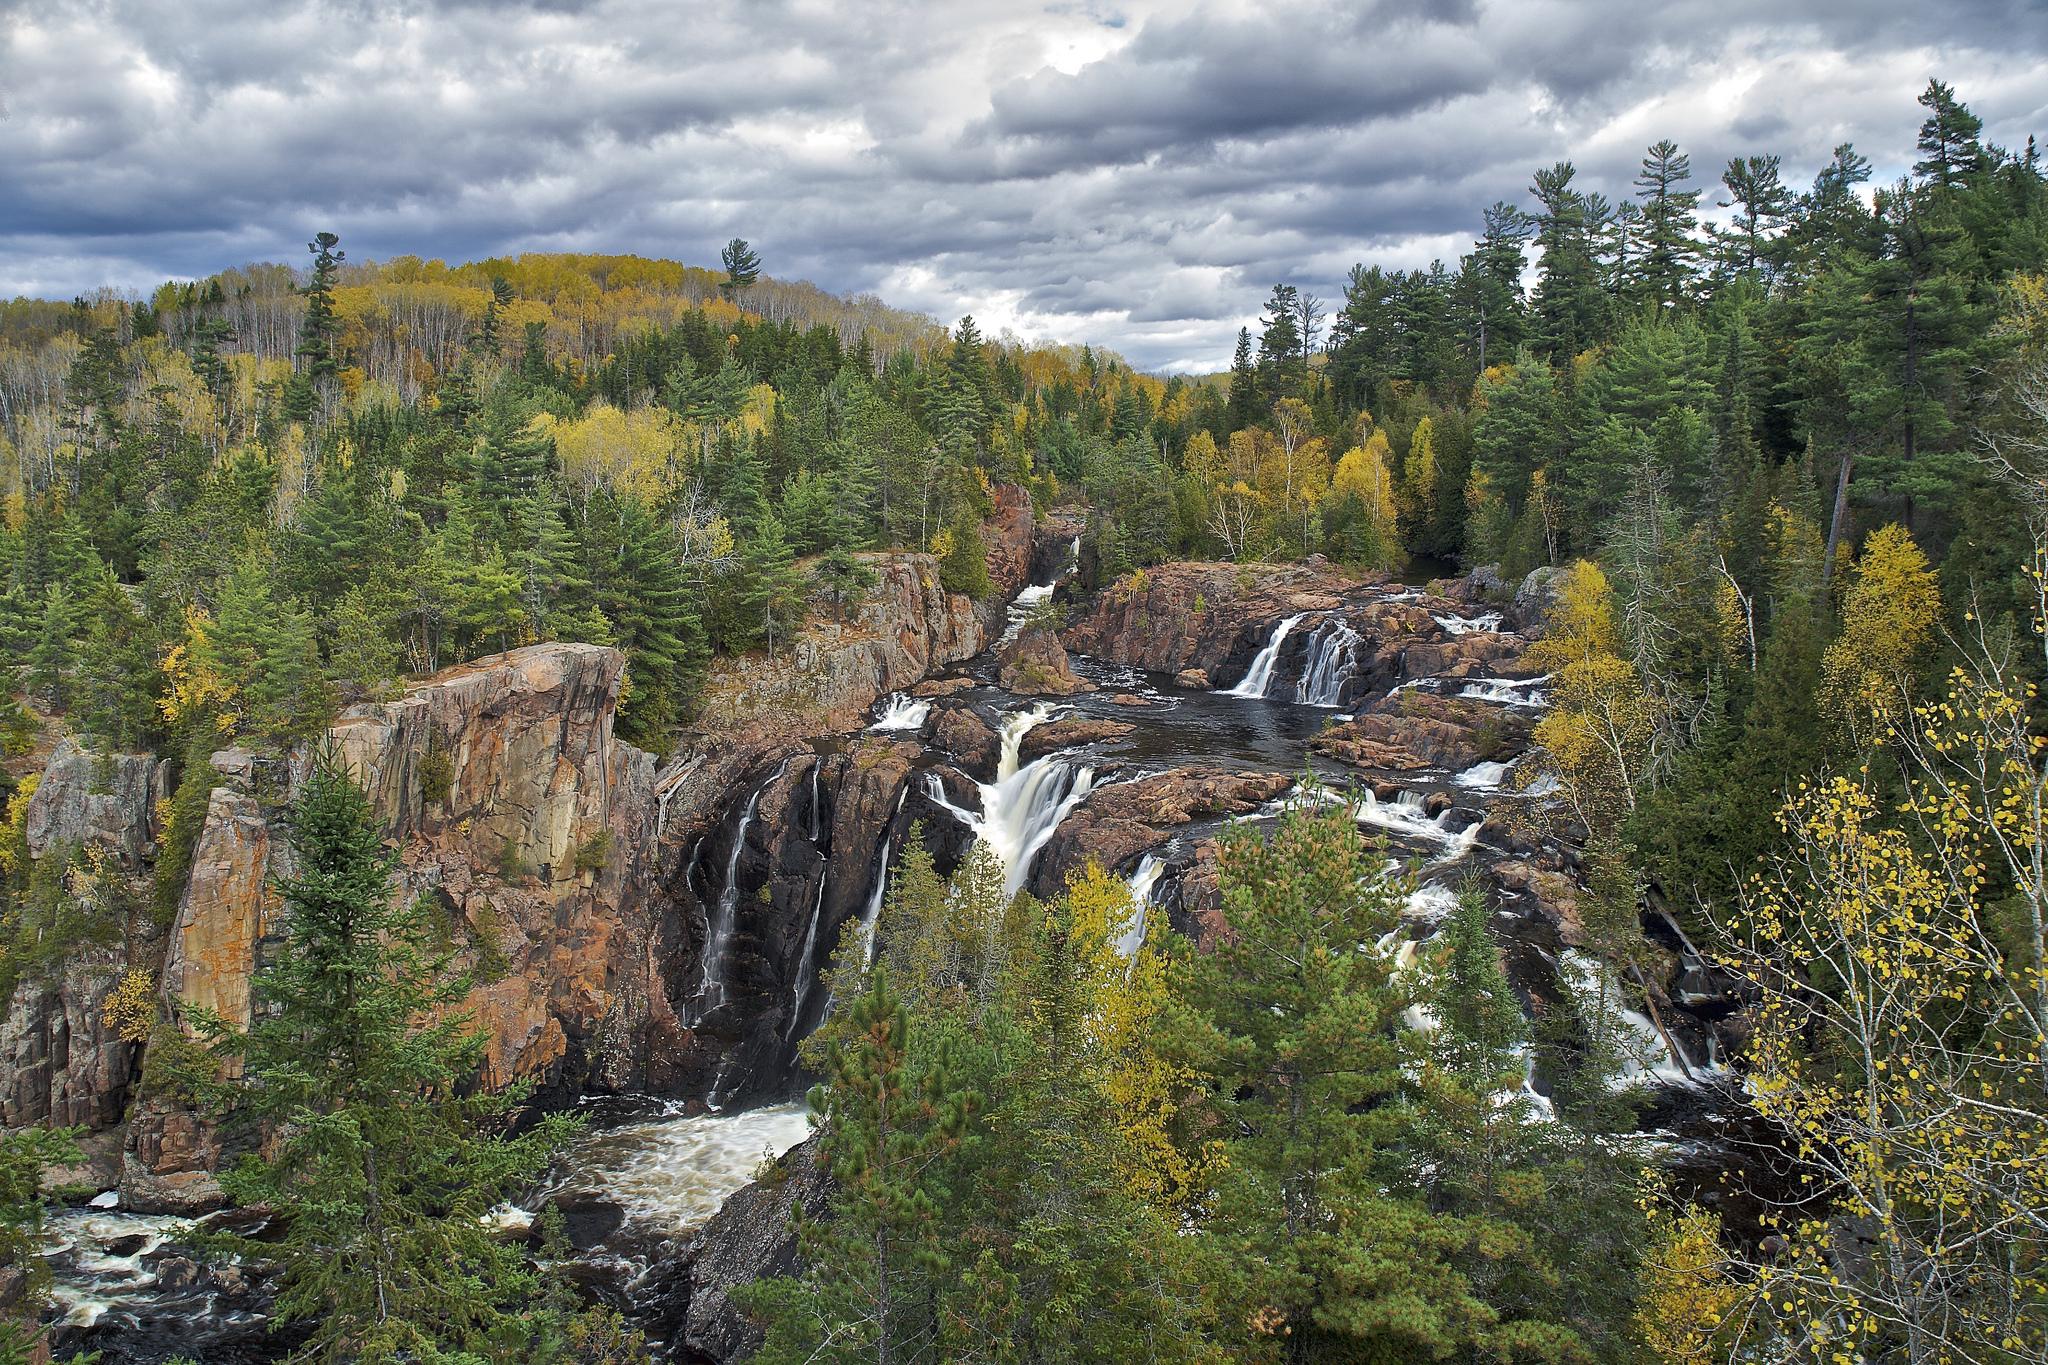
<point>53,659</point>
<point>1757,191</point>
<point>1948,138</point>
<point>638,584</point>
<point>117,675</point>
<point>1668,245</point>
<point>1246,402</point>
<point>769,591</point>
<point>742,269</point>
<point>889,1119</point>
<point>1282,369</point>
<point>383,1156</point>
<point>1292,1029</point>
<point>266,652</point>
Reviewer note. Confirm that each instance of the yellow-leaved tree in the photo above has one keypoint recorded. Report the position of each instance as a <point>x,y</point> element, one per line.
<point>1602,723</point>
<point>1897,1043</point>
<point>1125,971</point>
<point>1889,615</point>
<point>1363,478</point>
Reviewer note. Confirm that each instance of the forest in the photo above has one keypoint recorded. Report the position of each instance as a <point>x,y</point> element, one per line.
<point>1782,450</point>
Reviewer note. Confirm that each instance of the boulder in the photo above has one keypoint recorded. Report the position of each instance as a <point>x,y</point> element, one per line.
<point>1534,600</point>
<point>1068,733</point>
<point>968,738</point>
<point>1035,665</point>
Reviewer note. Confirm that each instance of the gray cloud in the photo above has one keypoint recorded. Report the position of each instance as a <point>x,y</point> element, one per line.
<point>1134,173</point>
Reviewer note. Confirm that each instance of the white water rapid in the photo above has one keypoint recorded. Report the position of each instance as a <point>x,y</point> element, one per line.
<point>901,713</point>
<point>1025,804</point>
<point>1142,883</point>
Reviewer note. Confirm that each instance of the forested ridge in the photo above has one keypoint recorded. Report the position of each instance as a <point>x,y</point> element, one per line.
<point>1783,469</point>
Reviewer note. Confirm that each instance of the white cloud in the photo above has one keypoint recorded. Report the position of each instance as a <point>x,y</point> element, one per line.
<point>1134,175</point>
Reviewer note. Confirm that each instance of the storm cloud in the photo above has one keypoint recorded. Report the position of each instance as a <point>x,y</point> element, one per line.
<point>1134,175</point>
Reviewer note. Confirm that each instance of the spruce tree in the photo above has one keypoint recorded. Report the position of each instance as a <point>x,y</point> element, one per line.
<point>382,1154</point>
<point>319,332</point>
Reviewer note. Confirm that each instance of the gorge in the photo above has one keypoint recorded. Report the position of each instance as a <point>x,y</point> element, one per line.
<point>653,930</point>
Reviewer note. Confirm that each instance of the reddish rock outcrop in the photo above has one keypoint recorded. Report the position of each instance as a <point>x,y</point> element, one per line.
<point>1411,730</point>
<point>1123,820</point>
<point>1177,616</point>
<point>1069,733</point>
<point>1034,665</point>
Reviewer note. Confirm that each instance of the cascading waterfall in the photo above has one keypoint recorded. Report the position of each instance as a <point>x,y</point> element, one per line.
<point>871,913</point>
<point>1025,804</point>
<point>1027,599</point>
<point>1647,1054</point>
<point>800,988</point>
<point>1332,661</point>
<point>710,992</point>
<point>1260,677</point>
<point>902,713</point>
<point>1484,776</point>
<point>1150,869</point>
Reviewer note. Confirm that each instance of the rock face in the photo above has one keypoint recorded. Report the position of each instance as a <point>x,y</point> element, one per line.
<point>514,807</point>
<point>60,1061</point>
<point>1124,820</point>
<point>1034,665</point>
<point>228,906</point>
<point>101,801</point>
<point>1412,730</point>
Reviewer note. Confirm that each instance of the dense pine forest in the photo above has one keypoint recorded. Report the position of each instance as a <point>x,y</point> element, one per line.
<point>1776,455</point>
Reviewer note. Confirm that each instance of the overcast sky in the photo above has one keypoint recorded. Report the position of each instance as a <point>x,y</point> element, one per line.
<point>1131,174</point>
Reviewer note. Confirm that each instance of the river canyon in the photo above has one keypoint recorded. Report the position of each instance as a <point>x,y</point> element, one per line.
<point>653,928</point>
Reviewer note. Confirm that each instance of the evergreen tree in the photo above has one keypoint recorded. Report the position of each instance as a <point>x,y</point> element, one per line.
<point>1763,204</point>
<point>382,1157</point>
<point>117,679</point>
<point>1246,402</point>
<point>638,583</point>
<point>1282,367</point>
<point>742,269</point>
<point>1949,138</point>
<point>769,593</point>
<point>319,332</point>
<point>1668,245</point>
<point>1315,1252</point>
<point>877,1268</point>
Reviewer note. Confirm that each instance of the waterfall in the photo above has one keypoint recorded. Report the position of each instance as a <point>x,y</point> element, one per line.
<point>1403,814</point>
<point>800,987</point>
<point>710,992</point>
<point>1648,1055</point>
<point>1483,776</point>
<point>1260,677</point>
<point>817,803</point>
<point>1331,663</point>
<point>871,913</point>
<point>1025,804</point>
<point>1150,868</point>
<point>901,712</point>
<point>1027,599</point>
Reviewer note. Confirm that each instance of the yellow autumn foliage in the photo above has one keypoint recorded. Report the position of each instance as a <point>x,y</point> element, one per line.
<point>1127,1003</point>
<point>1889,615</point>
